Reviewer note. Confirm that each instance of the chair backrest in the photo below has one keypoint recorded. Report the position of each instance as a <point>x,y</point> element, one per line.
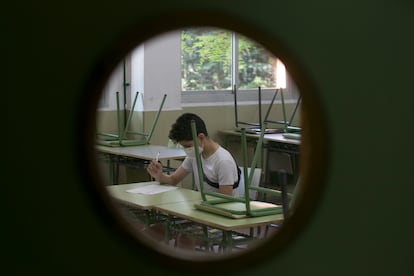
<point>251,125</point>
<point>105,138</point>
<point>147,135</point>
<point>232,206</point>
<point>287,124</point>
<point>120,139</point>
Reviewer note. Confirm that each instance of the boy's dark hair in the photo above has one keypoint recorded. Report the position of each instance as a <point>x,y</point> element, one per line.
<point>181,129</point>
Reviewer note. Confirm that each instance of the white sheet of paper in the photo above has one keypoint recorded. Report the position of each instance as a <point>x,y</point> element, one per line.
<point>151,189</point>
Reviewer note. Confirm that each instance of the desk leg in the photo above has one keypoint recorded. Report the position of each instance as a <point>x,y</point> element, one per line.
<point>169,166</point>
<point>227,241</point>
<point>107,159</point>
<point>295,167</point>
<point>169,233</point>
<point>115,169</point>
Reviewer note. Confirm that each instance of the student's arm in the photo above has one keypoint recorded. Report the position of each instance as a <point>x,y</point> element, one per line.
<point>226,189</point>
<point>227,175</point>
<point>155,170</point>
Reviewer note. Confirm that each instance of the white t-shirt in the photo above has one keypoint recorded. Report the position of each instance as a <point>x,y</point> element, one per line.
<point>219,168</point>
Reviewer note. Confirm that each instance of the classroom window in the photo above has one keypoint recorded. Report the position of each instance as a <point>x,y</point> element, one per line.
<point>196,66</point>
<point>255,65</point>
<point>215,59</point>
<point>205,60</point>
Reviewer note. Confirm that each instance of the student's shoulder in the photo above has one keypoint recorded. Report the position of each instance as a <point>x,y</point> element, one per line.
<point>224,151</point>
<point>225,158</point>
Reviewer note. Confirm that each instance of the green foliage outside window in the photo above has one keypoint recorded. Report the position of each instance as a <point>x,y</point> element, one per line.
<point>255,65</point>
<point>206,61</point>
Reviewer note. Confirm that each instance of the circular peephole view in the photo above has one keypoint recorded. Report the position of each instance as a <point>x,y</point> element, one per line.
<point>198,133</point>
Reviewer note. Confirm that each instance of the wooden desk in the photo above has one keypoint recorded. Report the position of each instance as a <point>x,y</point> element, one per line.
<point>212,228</point>
<point>179,203</point>
<point>146,202</point>
<point>186,210</point>
<point>142,205</point>
<point>137,156</point>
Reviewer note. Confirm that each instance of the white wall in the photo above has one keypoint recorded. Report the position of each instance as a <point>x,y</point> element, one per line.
<point>113,85</point>
<point>137,75</point>
<point>159,58</point>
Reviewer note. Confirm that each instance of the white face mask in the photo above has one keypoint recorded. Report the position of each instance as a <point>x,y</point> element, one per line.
<point>191,152</point>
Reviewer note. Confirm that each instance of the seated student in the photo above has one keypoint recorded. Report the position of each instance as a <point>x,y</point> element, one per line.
<point>220,171</point>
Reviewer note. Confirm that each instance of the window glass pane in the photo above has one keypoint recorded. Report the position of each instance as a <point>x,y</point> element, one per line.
<point>205,59</point>
<point>256,65</point>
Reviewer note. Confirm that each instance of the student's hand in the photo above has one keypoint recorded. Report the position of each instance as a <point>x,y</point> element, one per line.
<point>155,169</point>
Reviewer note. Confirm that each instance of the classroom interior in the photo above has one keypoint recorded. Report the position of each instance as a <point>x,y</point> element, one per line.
<point>162,76</point>
<point>142,70</point>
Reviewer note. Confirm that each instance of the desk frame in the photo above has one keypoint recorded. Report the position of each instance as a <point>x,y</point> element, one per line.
<point>137,157</point>
<point>228,227</point>
<point>172,207</point>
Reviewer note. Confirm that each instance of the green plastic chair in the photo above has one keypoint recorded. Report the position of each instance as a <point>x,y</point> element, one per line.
<point>120,139</point>
<point>286,124</point>
<point>231,206</point>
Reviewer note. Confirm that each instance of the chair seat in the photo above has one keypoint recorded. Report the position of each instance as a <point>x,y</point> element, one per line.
<point>237,209</point>
<point>117,143</point>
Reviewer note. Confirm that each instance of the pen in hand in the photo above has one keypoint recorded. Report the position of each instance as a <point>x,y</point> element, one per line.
<point>157,157</point>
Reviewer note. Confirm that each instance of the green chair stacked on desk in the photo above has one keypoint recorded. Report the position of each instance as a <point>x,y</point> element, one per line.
<point>121,139</point>
<point>288,130</point>
<point>231,206</point>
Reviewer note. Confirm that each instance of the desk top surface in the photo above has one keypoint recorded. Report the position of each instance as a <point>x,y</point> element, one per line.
<point>148,201</point>
<point>180,202</point>
<point>146,152</point>
<point>274,137</point>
